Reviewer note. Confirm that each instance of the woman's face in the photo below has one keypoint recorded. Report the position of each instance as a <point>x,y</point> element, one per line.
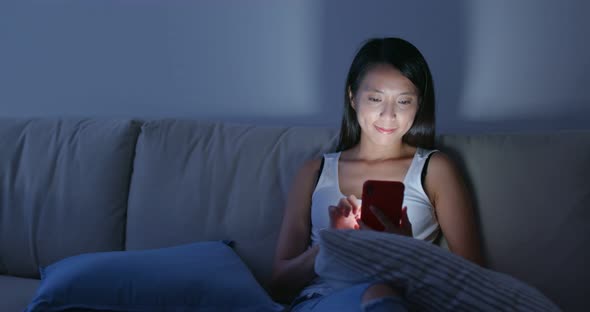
<point>385,104</point>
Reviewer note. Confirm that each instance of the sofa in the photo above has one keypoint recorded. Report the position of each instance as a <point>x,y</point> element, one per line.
<point>70,186</point>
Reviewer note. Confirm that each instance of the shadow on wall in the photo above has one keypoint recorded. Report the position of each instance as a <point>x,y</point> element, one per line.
<point>436,28</point>
<point>526,67</point>
<point>497,66</point>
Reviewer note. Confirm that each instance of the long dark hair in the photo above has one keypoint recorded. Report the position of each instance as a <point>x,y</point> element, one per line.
<point>406,58</point>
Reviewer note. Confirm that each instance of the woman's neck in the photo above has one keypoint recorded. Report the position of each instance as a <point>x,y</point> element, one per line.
<point>376,153</point>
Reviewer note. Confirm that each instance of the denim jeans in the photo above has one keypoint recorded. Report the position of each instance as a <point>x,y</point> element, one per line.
<point>348,299</point>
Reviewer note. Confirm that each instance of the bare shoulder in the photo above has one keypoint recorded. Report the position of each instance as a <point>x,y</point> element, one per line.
<point>312,165</point>
<point>441,166</point>
<point>448,193</point>
<point>442,176</point>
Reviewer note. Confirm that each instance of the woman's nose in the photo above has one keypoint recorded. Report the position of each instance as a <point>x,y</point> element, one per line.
<point>388,111</point>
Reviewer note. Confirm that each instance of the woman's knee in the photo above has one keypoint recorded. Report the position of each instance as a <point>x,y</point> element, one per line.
<point>377,291</point>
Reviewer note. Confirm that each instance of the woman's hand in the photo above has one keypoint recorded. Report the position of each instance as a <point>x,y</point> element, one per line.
<point>403,228</point>
<point>346,215</point>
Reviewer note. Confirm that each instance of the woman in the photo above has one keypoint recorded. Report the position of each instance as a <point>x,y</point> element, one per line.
<point>387,133</point>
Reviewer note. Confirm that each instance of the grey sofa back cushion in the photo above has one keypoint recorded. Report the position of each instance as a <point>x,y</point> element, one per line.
<point>533,201</point>
<point>196,181</point>
<point>63,189</point>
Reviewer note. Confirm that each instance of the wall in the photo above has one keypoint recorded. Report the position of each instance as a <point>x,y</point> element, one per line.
<point>498,65</point>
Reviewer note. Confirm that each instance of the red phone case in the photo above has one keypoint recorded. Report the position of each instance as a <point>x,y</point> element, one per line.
<point>388,196</point>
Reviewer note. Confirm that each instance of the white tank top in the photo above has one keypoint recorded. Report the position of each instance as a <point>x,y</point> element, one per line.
<point>327,192</point>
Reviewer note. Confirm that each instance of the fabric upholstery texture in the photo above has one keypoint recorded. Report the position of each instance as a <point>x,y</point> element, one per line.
<point>16,292</point>
<point>532,198</point>
<point>210,181</point>
<point>63,189</point>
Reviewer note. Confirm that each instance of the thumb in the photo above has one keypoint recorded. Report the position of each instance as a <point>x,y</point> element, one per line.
<point>354,203</point>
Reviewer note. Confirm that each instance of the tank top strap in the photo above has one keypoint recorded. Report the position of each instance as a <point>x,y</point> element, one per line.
<point>329,175</point>
<point>413,177</point>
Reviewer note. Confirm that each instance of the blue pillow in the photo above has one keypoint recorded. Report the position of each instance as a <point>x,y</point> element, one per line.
<point>205,276</point>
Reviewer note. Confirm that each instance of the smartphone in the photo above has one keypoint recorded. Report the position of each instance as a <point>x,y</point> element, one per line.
<point>387,196</point>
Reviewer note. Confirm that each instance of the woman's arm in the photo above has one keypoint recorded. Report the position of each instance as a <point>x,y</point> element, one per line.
<point>447,192</point>
<point>294,263</point>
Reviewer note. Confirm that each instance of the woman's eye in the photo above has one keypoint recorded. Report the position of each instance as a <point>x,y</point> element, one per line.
<point>372,99</point>
<point>404,102</point>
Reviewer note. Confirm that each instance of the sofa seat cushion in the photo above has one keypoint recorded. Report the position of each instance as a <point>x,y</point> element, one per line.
<point>16,292</point>
<point>206,276</point>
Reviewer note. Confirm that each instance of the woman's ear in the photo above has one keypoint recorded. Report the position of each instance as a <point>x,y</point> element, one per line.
<point>351,98</point>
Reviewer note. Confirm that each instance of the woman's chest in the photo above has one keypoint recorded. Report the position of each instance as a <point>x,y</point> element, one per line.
<point>351,175</point>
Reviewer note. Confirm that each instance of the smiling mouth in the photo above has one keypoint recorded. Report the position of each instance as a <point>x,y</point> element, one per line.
<point>384,130</point>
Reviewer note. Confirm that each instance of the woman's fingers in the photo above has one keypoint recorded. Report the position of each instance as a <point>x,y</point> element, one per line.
<point>341,217</point>
<point>353,202</point>
<point>344,203</point>
<point>339,209</point>
<point>336,217</point>
<point>345,211</point>
<point>352,199</point>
